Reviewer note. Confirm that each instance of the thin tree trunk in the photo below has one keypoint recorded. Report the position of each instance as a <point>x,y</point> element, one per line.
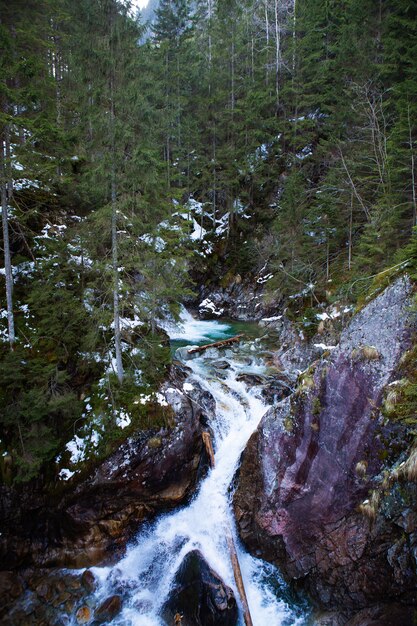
<point>214,178</point>
<point>413,175</point>
<point>294,37</point>
<point>178,100</point>
<point>210,14</point>
<point>115,261</point>
<point>232,69</point>
<point>267,42</point>
<point>277,51</point>
<point>350,233</point>
<point>116,280</point>
<point>5,183</point>
<point>355,191</point>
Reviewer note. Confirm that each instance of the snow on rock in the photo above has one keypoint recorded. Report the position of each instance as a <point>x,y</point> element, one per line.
<point>207,306</point>
<point>51,230</point>
<point>77,447</point>
<point>304,153</point>
<point>66,474</point>
<point>25,183</point>
<point>333,314</point>
<point>223,224</point>
<point>123,420</point>
<point>158,397</point>
<point>198,233</point>
<point>274,318</point>
<point>263,279</point>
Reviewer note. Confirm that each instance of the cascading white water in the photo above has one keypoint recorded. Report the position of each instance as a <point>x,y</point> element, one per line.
<point>146,572</point>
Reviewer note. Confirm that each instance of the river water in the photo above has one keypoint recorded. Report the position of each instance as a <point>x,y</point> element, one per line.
<point>147,571</point>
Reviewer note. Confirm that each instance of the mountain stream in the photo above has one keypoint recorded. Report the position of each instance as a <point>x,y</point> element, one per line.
<point>146,572</point>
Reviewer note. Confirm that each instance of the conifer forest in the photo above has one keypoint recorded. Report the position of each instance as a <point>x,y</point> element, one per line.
<point>174,176</point>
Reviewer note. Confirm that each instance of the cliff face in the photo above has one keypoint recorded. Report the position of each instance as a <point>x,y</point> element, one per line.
<point>91,523</point>
<point>307,492</point>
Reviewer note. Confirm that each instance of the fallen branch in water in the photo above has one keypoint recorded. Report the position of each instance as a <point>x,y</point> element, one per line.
<point>209,447</point>
<point>217,344</point>
<point>239,580</point>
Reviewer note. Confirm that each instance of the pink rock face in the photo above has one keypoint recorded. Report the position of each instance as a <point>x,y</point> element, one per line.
<point>315,458</point>
<point>314,465</point>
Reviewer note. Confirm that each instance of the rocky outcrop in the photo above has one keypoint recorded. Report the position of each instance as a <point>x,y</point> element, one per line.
<point>149,473</point>
<point>199,596</point>
<point>304,497</point>
<point>239,300</point>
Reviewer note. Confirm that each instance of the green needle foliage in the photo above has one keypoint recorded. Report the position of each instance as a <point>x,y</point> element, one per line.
<point>293,123</point>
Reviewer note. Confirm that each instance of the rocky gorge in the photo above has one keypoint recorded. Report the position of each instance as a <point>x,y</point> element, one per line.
<point>325,489</point>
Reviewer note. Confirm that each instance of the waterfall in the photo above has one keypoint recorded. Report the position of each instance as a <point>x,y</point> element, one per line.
<point>144,576</point>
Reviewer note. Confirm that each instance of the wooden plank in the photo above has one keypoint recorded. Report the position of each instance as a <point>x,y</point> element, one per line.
<point>216,344</point>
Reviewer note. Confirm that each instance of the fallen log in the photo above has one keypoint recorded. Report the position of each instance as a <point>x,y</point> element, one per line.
<point>237,573</point>
<point>216,344</point>
<point>209,447</point>
<point>239,580</point>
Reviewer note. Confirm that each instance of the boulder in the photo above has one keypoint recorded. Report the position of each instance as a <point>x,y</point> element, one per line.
<point>221,365</point>
<point>199,596</point>
<point>88,580</point>
<point>308,471</point>
<point>108,610</point>
<point>83,615</point>
<point>11,588</point>
<point>91,522</point>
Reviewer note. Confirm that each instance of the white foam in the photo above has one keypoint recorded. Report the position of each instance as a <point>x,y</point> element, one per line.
<point>194,330</point>
<point>148,569</point>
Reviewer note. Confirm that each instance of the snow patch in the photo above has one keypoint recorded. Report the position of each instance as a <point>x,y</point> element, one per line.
<point>123,420</point>
<point>274,318</point>
<point>209,306</point>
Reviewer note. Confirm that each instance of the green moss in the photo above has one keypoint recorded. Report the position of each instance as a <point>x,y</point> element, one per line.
<point>155,442</point>
<point>379,283</point>
<point>365,353</point>
<point>316,406</point>
<point>400,399</point>
<point>288,423</point>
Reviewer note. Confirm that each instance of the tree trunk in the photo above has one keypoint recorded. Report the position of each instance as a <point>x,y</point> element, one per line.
<point>277,51</point>
<point>115,261</point>
<point>5,184</point>
<point>413,175</point>
<point>116,299</point>
<point>350,233</point>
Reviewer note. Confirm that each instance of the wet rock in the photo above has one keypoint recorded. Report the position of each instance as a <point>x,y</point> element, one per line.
<point>276,388</point>
<point>240,300</point>
<point>200,596</point>
<point>108,610</point>
<point>91,523</point>
<point>385,615</point>
<point>221,365</point>
<point>251,380</point>
<point>299,496</point>
<point>88,581</point>
<point>330,618</point>
<point>83,615</point>
<point>11,587</point>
